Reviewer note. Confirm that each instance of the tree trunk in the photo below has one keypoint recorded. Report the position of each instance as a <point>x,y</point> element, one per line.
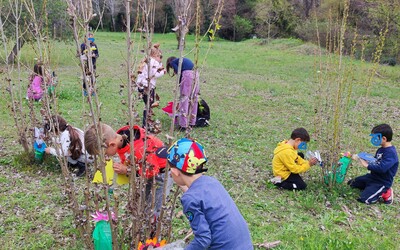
<point>17,47</point>
<point>111,7</point>
<point>308,6</point>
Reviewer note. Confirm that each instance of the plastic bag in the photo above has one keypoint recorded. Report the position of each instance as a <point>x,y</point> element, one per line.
<point>176,245</point>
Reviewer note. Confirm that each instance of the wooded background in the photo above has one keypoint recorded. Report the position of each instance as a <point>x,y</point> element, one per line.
<point>244,19</point>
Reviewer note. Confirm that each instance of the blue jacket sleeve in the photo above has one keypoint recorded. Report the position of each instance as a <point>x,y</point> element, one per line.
<point>382,166</point>
<point>198,223</point>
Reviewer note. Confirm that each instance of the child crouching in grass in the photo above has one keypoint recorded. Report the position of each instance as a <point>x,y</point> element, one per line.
<point>155,167</point>
<point>119,142</point>
<point>378,183</point>
<point>213,215</point>
<point>287,164</point>
<point>71,144</point>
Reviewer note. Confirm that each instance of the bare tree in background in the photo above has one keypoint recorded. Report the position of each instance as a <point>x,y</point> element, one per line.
<point>99,8</point>
<point>183,10</point>
<point>111,7</point>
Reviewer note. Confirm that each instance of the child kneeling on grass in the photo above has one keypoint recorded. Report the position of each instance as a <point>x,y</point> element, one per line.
<point>378,183</point>
<point>213,215</point>
<point>119,142</point>
<point>155,166</point>
<point>287,164</point>
<point>71,144</point>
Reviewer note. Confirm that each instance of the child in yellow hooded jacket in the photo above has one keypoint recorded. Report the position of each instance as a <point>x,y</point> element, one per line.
<point>287,164</point>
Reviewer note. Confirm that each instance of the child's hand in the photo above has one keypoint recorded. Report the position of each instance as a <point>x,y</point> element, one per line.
<point>47,150</point>
<point>364,163</point>
<point>355,157</point>
<point>120,168</point>
<point>313,161</point>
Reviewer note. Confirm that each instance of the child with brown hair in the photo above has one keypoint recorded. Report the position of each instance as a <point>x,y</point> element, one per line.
<point>71,144</point>
<point>120,143</point>
<point>148,71</point>
<point>111,140</point>
<point>35,89</point>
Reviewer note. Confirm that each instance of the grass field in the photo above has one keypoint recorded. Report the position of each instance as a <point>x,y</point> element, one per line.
<point>258,93</point>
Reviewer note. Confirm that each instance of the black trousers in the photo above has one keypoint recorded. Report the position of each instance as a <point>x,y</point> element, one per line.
<point>293,182</point>
<point>145,100</point>
<point>79,165</point>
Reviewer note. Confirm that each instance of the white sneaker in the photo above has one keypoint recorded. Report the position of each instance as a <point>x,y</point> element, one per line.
<point>276,179</point>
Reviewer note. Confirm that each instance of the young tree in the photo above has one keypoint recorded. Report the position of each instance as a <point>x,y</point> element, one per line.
<point>12,18</point>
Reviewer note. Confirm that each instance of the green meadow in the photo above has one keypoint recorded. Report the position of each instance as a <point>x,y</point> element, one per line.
<point>258,92</point>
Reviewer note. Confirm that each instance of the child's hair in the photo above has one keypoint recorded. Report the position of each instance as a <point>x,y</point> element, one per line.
<point>75,146</point>
<point>37,69</point>
<point>385,130</point>
<point>300,133</point>
<point>126,135</point>
<point>91,137</point>
<point>169,60</point>
<point>154,52</point>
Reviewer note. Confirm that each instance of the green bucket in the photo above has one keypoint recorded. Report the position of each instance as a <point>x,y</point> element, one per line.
<point>341,171</point>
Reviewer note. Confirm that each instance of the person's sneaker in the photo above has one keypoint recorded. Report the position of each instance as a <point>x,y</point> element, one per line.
<point>81,172</point>
<point>276,180</point>
<point>388,196</point>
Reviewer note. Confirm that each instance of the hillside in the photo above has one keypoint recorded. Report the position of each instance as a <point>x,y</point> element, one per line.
<point>258,93</point>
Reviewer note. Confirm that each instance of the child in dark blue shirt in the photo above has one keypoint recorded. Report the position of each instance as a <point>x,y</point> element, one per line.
<point>173,62</point>
<point>213,215</point>
<point>189,88</point>
<point>378,183</point>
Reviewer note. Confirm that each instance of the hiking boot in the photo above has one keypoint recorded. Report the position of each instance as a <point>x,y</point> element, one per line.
<point>388,196</point>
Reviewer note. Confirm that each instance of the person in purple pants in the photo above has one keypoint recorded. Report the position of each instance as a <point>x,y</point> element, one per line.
<point>189,91</point>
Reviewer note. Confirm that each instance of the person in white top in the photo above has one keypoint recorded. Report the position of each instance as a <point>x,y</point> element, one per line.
<point>71,144</point>
<point>148,72</point>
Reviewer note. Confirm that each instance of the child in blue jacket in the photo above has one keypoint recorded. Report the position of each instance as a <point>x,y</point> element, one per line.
<point>378,183</point>
<point>214,217</point>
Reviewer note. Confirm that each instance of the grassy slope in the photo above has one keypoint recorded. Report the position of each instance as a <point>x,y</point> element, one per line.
<point>257,94</point>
